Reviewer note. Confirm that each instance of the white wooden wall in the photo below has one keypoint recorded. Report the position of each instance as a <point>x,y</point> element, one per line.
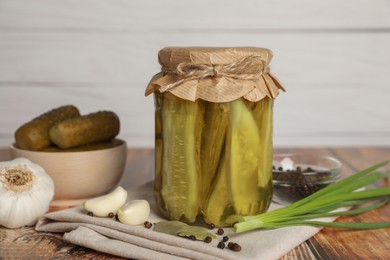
<point>332,56</point>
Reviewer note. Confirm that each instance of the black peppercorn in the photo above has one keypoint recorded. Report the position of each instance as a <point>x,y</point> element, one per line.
<point>221,245</point>
<point>236,247</point>
<point>147,224</point>
<point>192,237</point>
<point>211,226</point>
<point>299,183</point>
<point>207,239</point>
<point>225,238</point>
<point>220,231</point>
<point>111,215</point>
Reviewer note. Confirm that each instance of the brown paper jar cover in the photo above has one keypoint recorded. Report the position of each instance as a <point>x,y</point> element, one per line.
<point>215,74</point>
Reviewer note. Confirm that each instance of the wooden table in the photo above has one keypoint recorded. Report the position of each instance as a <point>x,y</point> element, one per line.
<point>25,243</point>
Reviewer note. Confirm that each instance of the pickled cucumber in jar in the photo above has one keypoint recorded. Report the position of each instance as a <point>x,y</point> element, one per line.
<point>210,162</point>
<point>213,133</point>
<point>178,177</point>
<point>242,185</point>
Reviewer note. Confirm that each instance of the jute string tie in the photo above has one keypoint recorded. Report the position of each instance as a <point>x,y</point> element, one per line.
<point>247,68</point>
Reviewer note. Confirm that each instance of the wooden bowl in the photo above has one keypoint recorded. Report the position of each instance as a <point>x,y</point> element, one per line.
<point>80,175</point>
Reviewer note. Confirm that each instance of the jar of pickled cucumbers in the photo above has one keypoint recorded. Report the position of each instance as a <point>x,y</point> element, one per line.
<point>213,133</point>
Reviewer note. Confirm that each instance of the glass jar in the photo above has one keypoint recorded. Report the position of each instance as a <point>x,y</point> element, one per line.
<point>213,141</point>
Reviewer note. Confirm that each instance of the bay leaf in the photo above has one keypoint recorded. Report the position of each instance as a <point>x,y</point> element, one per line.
<point>178,228</point>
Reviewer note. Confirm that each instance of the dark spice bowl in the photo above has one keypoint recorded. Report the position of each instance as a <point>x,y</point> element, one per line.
<point>296,176</point>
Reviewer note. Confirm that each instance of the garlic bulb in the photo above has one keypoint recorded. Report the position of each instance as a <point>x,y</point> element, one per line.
<point>25,193</point>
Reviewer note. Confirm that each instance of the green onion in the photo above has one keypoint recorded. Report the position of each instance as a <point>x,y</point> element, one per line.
<point>338,199</point>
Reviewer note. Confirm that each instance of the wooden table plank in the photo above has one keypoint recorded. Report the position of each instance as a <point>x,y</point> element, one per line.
<point>327,244</point>
<point>26,243</point>
<point>343,244</point>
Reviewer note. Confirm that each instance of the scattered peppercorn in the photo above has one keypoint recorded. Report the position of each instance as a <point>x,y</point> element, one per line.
<point>207,239</point>
<point>235,247</point>
<point>116,217</point>
<point>111,215</point>
<point>211,226</point>
<point>192,237</point>
<point>147,224</point>
<point>90,213</point>
<point>220,231</point>
<point>225,238</point>
<point>221,245</point>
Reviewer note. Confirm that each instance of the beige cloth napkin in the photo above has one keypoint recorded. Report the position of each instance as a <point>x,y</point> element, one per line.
<point>137,242</point>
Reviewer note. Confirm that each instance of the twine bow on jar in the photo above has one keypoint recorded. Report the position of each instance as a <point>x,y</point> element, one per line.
<point>249,67</point>
<point>215,74</point>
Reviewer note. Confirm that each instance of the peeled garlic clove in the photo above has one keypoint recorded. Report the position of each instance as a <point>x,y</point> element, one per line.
<point>135,212</point>
<point>104,205</point>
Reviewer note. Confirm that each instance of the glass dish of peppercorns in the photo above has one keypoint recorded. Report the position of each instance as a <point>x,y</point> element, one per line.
<point>296,176</point>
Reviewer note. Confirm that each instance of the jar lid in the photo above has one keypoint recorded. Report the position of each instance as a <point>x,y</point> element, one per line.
<point>215,74</point>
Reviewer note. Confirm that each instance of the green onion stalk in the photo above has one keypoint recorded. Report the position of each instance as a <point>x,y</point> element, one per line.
<point>350,196</point>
